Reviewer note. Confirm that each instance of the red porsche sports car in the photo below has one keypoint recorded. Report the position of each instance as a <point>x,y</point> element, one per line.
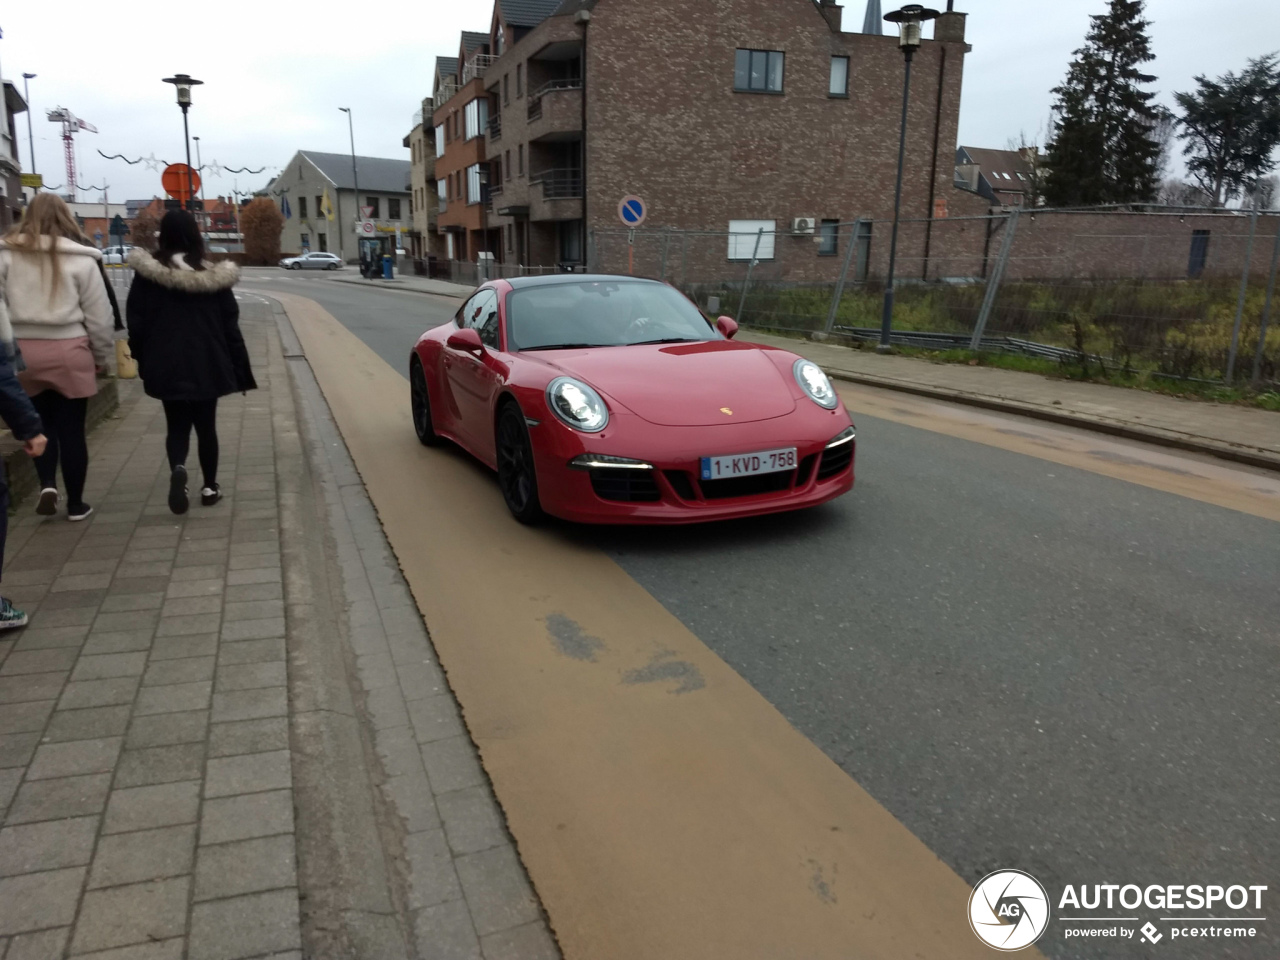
<point>605,399</point>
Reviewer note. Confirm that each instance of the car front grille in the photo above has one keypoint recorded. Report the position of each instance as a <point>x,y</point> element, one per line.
<point>747,486</point>
<point>629,486</point>
<point>835,460</point>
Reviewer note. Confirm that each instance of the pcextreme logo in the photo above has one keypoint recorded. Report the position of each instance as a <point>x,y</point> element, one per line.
<point>1008,910</point>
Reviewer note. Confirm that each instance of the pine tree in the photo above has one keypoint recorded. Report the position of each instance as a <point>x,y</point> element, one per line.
<point>1104,149</point>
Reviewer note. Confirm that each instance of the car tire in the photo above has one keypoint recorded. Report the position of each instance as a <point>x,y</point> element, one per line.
<point>420,405</point>
<point>295,266</point>
<point>517,476</point>
<point>332,266</point>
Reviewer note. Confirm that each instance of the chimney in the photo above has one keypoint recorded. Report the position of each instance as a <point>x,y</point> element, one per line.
<point>833,12</point>
<point>949,27</point>
<point>873,23</point>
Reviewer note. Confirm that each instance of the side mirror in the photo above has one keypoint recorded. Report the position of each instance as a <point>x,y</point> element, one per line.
<point>727,326</point>
<point>466,340</point>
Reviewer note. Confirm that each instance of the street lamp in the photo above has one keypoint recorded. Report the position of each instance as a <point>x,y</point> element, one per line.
<point>355,177</point>
<point>31,140</point>
<point>184,84</point>
<point>908,20</point>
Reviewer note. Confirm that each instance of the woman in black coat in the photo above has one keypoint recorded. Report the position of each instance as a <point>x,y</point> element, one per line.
<point>184,331</point>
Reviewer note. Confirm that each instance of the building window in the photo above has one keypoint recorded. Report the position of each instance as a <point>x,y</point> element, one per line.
<point>839,86</point>
<point>758,71</point>
<point>473,184</point>
<point>442,194</point>
<point>519,80</point>
<point>324,242</point>
<point>302,208</point>
<point>375,210</point>
<point>477,117</point>
<point>393,208</point>
<point>502,40</point>
<point>506,89</point>
<point>440,141</point>
<point>305,239</point>
<point>507,166</point>
<point>744,235</point>
<point>520,159</point>
<point>1199,253</point>
<point>319,208</point>
<point>829,238</point>
<point>508,230</point>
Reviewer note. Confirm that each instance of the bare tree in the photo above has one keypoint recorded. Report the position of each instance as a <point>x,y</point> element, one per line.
<point>1179,193</point>
<point>1264,194</point>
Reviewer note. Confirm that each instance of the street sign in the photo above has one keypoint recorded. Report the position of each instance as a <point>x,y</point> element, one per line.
<point>175,181</point>
<point>632,211</point>
<point>33,180</point>
<point>366,228</point>
<point>97,236</point>
<point>118,228</point>
<point>366,213</point>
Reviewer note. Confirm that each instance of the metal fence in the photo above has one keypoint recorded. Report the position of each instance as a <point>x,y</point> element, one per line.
<point>1180,294</point>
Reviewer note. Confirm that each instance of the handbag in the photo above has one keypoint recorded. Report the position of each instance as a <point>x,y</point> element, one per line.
<point>126,366</point>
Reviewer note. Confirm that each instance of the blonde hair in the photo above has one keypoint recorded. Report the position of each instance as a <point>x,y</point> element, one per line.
<point>47,215</point>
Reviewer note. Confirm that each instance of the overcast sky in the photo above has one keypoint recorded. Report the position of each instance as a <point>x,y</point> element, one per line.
<point>275,73</point>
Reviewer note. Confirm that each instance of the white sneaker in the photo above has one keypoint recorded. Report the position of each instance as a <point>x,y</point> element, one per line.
<point>47,505</point>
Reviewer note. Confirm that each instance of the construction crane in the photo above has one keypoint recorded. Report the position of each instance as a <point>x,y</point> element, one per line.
<point>71,125</point>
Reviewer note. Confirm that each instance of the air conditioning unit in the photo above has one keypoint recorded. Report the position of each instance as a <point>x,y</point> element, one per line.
<point>803,225</point>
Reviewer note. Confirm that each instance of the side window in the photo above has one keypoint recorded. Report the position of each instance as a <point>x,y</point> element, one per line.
<point>463,317</point>
<point>482,314</point>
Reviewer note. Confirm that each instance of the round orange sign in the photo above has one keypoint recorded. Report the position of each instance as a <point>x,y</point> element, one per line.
<point>176,183</point>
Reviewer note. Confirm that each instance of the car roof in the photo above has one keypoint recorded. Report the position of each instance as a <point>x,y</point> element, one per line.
<point>519,283</point>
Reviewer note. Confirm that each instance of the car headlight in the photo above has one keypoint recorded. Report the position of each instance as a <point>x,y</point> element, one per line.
<point>815,383</point>
<point>577,405</point>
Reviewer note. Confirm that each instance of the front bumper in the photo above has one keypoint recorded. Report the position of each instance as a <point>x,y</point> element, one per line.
<point>673,492</point>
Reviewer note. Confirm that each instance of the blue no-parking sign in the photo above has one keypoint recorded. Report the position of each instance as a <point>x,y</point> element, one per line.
<point>632,211</point>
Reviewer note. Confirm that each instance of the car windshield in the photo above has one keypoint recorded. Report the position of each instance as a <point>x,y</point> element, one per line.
<point>610,313</point>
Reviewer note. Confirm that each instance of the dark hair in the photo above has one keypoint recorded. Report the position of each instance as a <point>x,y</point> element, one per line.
<point>179,233</point>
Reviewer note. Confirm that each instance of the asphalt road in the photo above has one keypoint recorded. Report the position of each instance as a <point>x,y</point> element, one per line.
<point>1030,665</point>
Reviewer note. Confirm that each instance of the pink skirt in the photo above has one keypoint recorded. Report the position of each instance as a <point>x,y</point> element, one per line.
<point>62,365</point>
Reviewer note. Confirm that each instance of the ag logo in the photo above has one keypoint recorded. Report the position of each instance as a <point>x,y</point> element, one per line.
<point>1008,910</point>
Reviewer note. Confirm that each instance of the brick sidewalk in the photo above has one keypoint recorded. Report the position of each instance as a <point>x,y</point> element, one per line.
<point>145,775</point>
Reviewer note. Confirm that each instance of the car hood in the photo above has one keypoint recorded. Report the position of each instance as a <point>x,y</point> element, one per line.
<point>683,384</point>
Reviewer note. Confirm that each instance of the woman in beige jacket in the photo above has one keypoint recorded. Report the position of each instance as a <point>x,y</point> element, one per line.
<point>53,301</point>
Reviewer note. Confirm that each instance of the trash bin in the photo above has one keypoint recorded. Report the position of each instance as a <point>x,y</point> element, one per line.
<point>388,268</point>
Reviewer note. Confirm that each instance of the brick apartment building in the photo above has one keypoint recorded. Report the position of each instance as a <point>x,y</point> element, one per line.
<point>727,115</point>
<point>423,202</point>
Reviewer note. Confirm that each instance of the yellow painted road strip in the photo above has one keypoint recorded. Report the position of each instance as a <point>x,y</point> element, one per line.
<point>663,808</point>
<point>1248,490</point>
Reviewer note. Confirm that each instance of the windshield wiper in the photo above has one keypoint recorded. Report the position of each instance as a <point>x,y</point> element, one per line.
<point>641,343</point>
<point>564,346</point>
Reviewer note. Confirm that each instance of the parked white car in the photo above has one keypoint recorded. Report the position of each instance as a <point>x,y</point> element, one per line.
<point>113,256</point>
<point>312,261</point>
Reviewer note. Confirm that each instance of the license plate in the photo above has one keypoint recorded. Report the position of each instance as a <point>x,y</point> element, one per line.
<point>748,464</point>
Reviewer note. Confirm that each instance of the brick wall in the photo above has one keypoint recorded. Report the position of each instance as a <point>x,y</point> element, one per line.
<point>664,122</point>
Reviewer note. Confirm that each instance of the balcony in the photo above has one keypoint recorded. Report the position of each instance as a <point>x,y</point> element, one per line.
<point>444,94</point>
<point>495,127</point>
<point>492,195</point>
<point>417,119</point>
<point>559,184</point>
<point>551,86</point>
<point>476,67</point>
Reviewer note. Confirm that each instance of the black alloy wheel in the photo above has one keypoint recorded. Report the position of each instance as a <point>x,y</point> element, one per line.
<point>516,475</point>
<point>420,404</point>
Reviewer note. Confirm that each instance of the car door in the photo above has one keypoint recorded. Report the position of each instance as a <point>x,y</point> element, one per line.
<point>472,379</point>
<point>311,261</point>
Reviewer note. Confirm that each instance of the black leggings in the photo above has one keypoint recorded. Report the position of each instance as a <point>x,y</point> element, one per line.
<point>63,420</point>
<point>182,415</point>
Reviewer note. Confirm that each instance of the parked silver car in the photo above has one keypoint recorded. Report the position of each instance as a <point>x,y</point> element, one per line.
<point>114,256</point>
<point>312,261</point>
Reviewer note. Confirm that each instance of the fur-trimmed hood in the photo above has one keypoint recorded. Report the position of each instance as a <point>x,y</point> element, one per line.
<point>214,277</point>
